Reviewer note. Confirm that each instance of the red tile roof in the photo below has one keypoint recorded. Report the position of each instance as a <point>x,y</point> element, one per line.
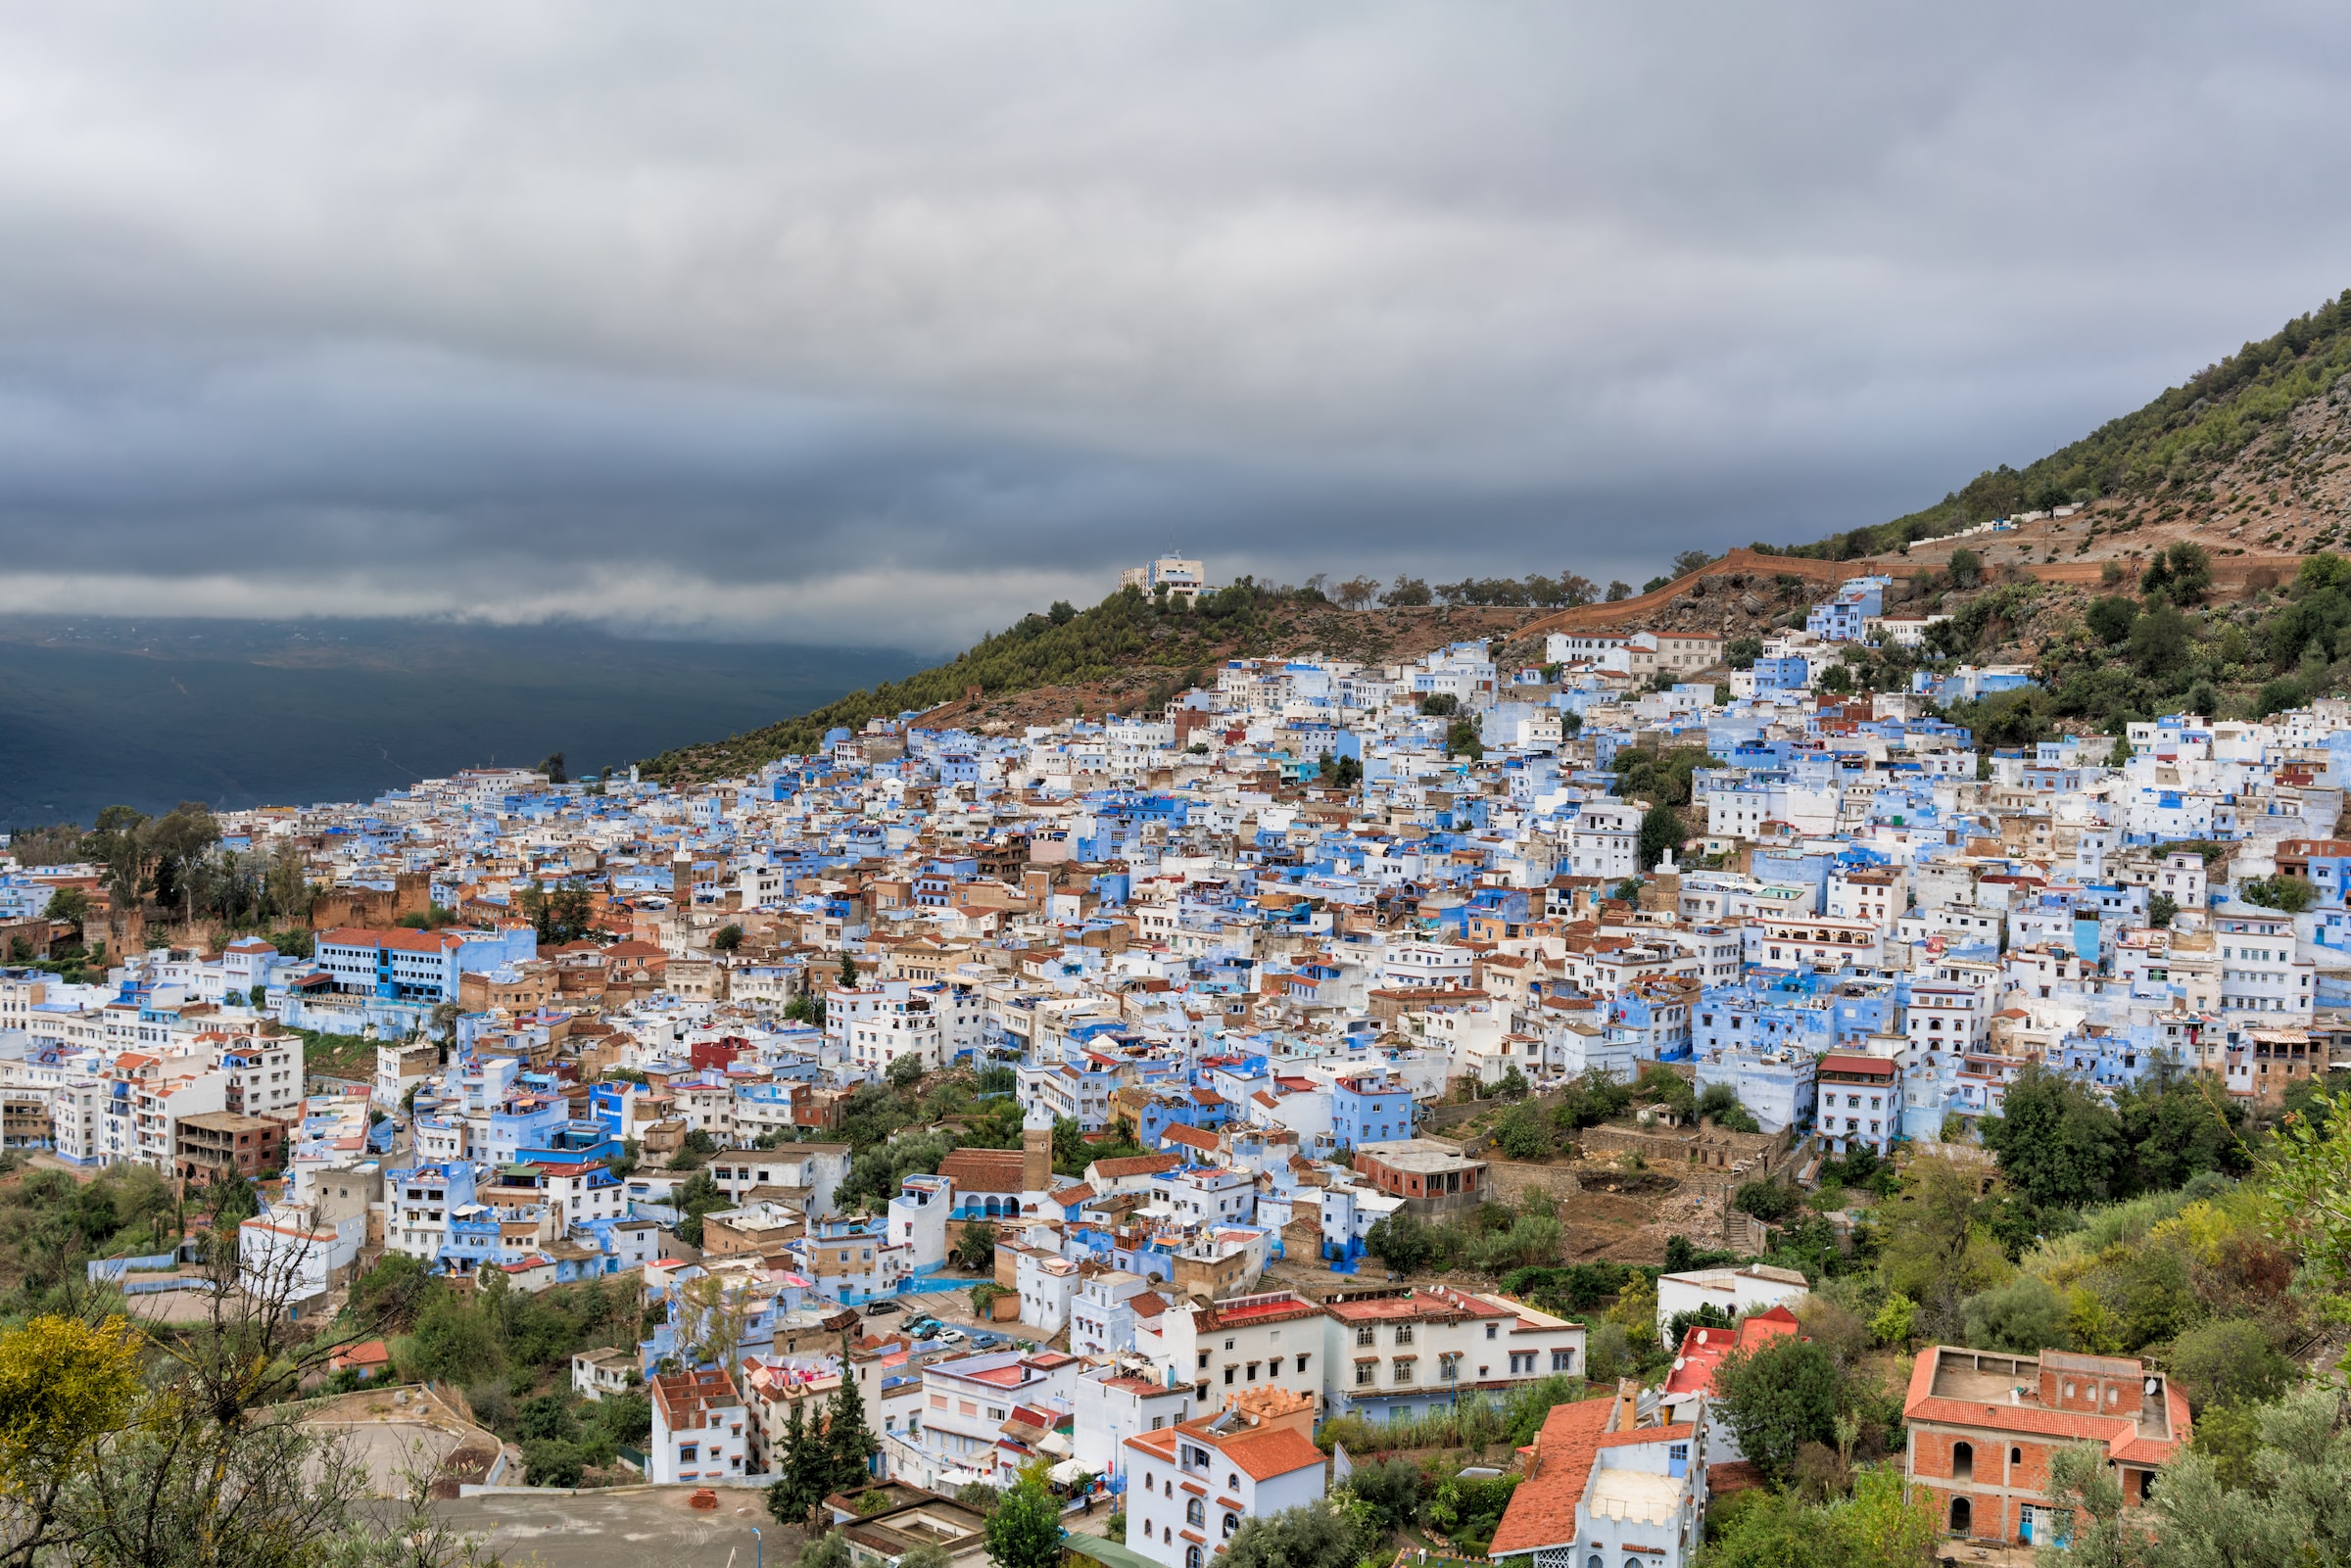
<point>1136,1166</point>
<point>402,940</point>
<point>984,1170</point>
<point>1703,1349</point>
<point>1868,1066</point>
<point>1542,1511</point>
<point>1263,1455</point>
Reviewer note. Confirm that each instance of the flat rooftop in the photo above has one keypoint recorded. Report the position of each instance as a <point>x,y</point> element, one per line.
<point>1417,1154</point>
<point>1641,1495</point>
<point>1985,1378</point>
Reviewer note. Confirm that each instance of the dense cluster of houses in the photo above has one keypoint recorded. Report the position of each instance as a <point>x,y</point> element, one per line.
<point>1262,933</point>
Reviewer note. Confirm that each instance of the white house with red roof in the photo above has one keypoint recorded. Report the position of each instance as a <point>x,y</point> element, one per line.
<point>1104,1312</point>
<point>1399,1353</point>
<point>1690,1385</point>
<point>1124,1399</point>
<point>1222,1348</point>
<point>965,1404</point>
<point>1735,1293</point>
<point>1608,1483</point>
<point>1860,1103</point>
<point>1189,1486</point>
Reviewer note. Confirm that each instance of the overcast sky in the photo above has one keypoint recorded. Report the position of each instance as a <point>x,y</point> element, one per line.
<point>891,321</point>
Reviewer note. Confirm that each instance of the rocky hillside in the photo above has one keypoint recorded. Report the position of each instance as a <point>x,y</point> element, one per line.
<point>2248,457</point>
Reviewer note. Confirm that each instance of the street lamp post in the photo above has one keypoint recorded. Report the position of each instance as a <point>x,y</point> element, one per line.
<point>758,1548</point>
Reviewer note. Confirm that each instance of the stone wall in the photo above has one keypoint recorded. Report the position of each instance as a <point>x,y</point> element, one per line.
<point>372,908</point>
<point>1709,1160</point>
<point>1508,1180</point>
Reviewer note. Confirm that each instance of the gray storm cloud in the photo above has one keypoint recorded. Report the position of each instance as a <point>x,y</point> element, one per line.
<point>890,320</point>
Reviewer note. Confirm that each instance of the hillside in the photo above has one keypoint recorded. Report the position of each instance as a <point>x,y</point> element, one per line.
<point>1122,655</point>
<point>2249,455</point>
<point>2249,460</point>
<point>1128,654</point>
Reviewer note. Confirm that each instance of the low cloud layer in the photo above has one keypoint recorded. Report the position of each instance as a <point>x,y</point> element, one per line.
<point>891,321</point>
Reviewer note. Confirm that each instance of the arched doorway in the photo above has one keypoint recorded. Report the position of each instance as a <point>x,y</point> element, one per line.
<point>1963,1461</point>
<point>1962,1522</point>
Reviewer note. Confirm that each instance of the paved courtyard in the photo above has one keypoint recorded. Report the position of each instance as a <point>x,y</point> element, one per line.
<point>637,1528</point>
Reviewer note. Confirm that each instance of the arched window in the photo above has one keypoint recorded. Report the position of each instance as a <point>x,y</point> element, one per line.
<point>1963,1461</point>
<point>2016,1457</point>
<point>1233,1522</point>
<point>1192,1557</point>
<point>1594,1561</point>
<point>1961,1516</point>
<point>1193,1513</point>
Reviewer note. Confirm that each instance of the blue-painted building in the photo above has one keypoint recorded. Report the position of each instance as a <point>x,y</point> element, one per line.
<point>1370,1110</point>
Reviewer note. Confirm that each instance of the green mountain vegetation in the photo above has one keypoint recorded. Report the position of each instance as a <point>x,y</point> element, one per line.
<point>2196,451</point>
<point>2163,459</point>
<point>1064,646</point>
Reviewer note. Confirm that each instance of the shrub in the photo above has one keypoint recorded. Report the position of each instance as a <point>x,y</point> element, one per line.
<point>1767,1201</point>
<point>1720,1102</point>
<point>2023,1315</point>
<point>2230,1362</point>
<point>1777,1400</point>
<point>1403,1242</point>
<point>1392,1488</point>
<point>2290,894</point>
<point>1523,1133</point>
<point>553,1462</point>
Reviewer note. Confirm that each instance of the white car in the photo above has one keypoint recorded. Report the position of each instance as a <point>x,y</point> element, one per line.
<point>952,1336</point>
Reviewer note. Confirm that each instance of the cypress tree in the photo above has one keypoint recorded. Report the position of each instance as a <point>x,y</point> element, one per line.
<point>849,1446</point>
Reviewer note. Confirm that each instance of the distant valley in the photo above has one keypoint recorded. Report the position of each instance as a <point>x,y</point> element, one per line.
<point>96,710</point>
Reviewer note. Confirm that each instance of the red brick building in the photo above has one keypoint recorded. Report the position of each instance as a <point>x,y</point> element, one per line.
<point>1432,1177</point>
<point>1983,1425</point>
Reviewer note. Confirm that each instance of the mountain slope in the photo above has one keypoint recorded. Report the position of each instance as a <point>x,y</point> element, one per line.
<point>2249,454</point>
<point>1124,654</point>
<point>2251,457</point>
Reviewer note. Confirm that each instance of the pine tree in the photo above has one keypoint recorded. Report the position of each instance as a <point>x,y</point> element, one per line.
<point>849,1446</point>
<point>798,1489</point>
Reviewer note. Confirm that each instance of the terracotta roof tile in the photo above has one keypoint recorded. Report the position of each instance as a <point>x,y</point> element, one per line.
<point>1263,1455</point>
<point>1135,1166</point>
<point>984,1170</point>
<point>1542,1511</point>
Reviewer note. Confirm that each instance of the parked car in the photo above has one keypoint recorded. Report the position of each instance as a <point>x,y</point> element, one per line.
<point>882,1308</point>
<point>952,1336</point>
